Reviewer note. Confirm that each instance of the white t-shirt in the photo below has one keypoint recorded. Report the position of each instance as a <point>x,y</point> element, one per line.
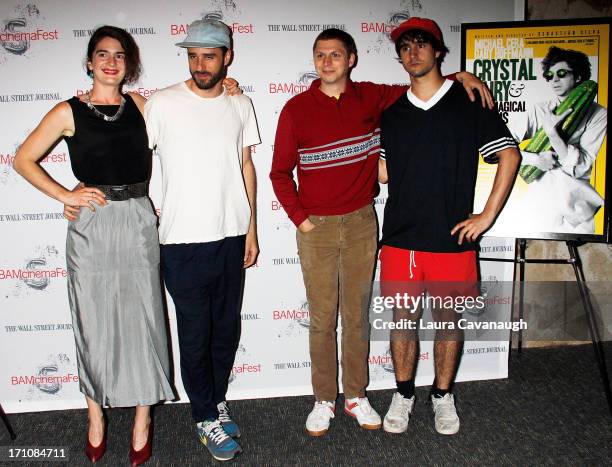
<point>199,142</point>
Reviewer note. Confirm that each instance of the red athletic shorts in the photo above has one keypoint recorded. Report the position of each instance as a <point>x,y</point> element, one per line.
<point>426,270</point>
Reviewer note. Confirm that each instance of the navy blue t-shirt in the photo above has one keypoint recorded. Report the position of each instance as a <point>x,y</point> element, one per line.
<point>432,161</point>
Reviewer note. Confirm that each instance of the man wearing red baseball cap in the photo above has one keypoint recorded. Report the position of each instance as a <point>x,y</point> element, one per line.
<point>330,135</point>
<point>420,24</point>
<point>430,140</point>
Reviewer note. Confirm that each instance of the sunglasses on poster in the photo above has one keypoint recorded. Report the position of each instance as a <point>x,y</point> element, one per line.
<point>562,73</point>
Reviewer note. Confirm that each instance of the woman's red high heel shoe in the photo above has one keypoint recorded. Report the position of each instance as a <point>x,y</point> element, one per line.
<point>94,453</point>
<point>144,454</point>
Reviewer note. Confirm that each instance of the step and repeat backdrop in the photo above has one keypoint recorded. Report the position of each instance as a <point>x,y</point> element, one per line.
<point>42,57</point>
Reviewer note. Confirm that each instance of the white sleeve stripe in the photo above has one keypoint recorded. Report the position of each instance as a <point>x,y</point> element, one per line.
<point>382,154</point>
<point>497,145</point>
<point>485,146</point>
<point>497,148</point>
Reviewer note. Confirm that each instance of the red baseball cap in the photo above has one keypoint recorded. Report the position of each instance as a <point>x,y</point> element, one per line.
<point>424,24</point>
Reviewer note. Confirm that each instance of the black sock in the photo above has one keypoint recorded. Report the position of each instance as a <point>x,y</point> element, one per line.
<point>405,388</point>
<point>438,393</point>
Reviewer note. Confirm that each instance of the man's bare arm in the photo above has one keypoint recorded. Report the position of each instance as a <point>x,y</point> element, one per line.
<point>251,249</point>
<point>470,83</point>
<point>472,228</point>
<point>383,177</point>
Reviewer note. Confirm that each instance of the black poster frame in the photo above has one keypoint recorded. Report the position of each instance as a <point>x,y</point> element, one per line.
<point>606,235</point>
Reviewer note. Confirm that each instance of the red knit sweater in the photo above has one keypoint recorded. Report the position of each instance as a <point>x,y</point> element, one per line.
<point>335,144</point>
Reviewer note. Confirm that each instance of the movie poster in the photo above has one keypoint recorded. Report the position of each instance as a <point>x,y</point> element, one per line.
<point>550,84</point>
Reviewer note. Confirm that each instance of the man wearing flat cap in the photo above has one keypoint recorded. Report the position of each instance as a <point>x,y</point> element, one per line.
<point>430,140</point>
<point>207,228</point>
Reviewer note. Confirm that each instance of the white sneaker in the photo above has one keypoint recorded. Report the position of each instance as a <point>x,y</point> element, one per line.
<point>445,414</point>
<point>360,408</point>
<point>318,419</point>
<point>396,420</point>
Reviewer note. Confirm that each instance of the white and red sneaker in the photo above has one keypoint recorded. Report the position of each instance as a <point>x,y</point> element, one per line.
<point>318,419</point>
<point>360,409</point>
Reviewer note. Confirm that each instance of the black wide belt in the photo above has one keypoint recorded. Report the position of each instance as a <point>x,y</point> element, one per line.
<point>123,192</point>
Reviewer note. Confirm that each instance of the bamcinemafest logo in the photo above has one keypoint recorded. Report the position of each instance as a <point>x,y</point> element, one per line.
<point>395,19</point>
<point>301,84</point>
<point>220,10</point>
<point>144,92</point>
<point>244,364</point>
<point>21,29</point>
<point>384,361</point>
<point>281,220</point>
<point>54,158</point>
<point>382,29</point>
<point>295,320</point>
<point>49,377</point>
<point>381,365</point>
<point>8,176</point>
<point>37,272</point>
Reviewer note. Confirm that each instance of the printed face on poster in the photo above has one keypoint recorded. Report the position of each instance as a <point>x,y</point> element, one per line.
<point>550,83</point>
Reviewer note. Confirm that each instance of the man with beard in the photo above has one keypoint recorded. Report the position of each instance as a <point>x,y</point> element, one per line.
<point>207,228</point>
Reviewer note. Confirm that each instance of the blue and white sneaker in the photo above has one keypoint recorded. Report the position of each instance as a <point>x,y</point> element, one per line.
<point>221,446</point>
<point>229,425</point>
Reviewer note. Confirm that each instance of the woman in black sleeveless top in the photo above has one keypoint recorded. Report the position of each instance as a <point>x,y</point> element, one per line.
<point>112,249</point>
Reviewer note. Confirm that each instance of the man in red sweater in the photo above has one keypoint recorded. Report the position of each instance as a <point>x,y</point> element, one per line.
<point>331,133</point>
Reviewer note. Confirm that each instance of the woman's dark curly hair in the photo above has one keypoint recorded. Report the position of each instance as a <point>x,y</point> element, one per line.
<point>133,67</point>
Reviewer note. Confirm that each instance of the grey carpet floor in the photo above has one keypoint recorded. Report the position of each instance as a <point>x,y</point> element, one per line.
<point>550,411</point>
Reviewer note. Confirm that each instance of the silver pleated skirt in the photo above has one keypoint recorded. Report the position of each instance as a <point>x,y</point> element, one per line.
<point>115,298</point>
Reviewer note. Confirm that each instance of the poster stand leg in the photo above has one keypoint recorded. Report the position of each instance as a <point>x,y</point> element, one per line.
<point>574,260</point>
<point>522,247</point>
<point>590,315</point>
<point>7,423</point>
